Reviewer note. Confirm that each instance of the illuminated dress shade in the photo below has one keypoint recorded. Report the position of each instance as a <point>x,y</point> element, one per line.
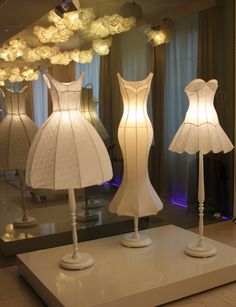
<point>67,153</point>
<point>201,132</point>
<point>136,197</point>
<point>88,109</point>
<point>17,132</point>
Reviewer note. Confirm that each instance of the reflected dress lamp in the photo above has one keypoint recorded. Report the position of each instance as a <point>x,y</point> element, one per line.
<point>17,132</point>
<point>135,197</point>
<point>201,132</point>
<point>67,153</point>
<point>88,108</point>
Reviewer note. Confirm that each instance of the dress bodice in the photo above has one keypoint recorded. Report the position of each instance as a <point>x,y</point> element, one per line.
<point>65,96</point>
<point>15,101</point>
<point>201,98</point>
<point>135,96</point>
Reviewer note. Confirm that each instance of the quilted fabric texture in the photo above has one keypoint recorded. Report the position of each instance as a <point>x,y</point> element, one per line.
<point>201,130</point>
<point>136,197</point>
<point>67,152</point>
<point>17,131</point>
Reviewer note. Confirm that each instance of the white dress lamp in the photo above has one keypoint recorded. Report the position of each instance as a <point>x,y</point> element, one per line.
<point>135,197</point>
<point>17,132</point>
<point>67,153</point>
<point>88,109</point>
<point>201,132</point>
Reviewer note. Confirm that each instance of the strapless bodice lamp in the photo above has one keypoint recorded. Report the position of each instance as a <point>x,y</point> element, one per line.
<point>201,132</point>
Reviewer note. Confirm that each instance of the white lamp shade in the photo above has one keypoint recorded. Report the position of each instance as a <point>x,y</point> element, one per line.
<point>67,152</point>
<point>88,110</point>
<point>201,130</point>
<point>17,131</point>
<point>136,197</point>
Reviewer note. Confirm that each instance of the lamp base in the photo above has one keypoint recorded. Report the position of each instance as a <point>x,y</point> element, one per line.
<point>93,204</point>
<point>82,262</point>
<point>21,223</point>
<point>207,250</point>
<point>87,217</point>
<point>132,241</point>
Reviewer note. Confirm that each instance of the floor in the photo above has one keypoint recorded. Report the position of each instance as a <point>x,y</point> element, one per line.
<point>15,291</point>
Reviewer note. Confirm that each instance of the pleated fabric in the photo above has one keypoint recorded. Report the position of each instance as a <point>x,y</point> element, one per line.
<point>201,130</point>
<point>17,131</point>
<point>67,152</point>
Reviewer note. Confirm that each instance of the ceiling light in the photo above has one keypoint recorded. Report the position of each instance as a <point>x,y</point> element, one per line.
<point>160,34</point>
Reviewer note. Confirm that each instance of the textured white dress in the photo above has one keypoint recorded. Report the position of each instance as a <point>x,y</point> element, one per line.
<point>135,197</point>
<point>67,152</point>
<point>201,130</point>
<point>17,131</point>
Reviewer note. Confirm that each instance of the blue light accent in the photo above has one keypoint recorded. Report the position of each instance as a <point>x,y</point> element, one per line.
<point>224,218</point>
<point>115,182</point>
<point>179,200</point>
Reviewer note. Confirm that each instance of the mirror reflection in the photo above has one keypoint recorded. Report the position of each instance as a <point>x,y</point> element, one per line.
<point>176,40</point>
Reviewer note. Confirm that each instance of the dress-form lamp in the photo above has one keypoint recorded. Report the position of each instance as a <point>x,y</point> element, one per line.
<point>17,132</point>
<point>201,132</point>
<point>135,197</point>
<point>67,153</point>
<point>88,108</point>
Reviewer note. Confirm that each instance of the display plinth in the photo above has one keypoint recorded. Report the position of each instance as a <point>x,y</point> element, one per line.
<point>143,277</point>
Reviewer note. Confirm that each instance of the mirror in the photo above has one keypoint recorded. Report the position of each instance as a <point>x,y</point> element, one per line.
<point>173,176</point>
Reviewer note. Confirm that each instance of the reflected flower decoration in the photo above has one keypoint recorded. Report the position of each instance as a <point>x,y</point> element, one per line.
<point>83,56</point>
<point>62,58</point>
<point>30,55</point>
<point>52,34</point>
<point>46,52</point>
<point>101,46</point>
<point>86,26</point>
<point>74,55</point>
<point>13,50</point>
<point>109,25</point>
<point>17,74</point>
<point>86,56</point>
<point>79,20</point>
<point>30,74</point>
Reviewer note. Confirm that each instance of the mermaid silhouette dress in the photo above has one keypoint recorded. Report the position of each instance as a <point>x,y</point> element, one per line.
<point>201,130</point>
<point>17,131</point>
<point>135,197</point>
<point>67,146</point>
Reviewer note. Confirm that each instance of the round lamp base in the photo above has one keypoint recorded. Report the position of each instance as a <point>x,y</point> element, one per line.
<point>87,217</point>
<point>82,262</point>
<point>207,250</point>
<point>30,222</point>
<point>93,204</point>
<point>131,241</point>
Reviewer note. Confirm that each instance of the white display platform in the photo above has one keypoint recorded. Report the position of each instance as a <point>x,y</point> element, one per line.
<point>140,277</point>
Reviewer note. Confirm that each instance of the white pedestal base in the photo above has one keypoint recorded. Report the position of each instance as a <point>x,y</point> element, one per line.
<point>82,262</point>
<point>30,222</point>
<point>141,277</point>
<point>207,250</point>
<point>132,241</point>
